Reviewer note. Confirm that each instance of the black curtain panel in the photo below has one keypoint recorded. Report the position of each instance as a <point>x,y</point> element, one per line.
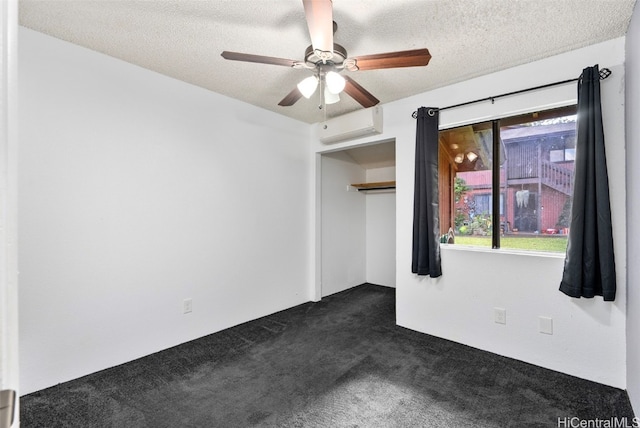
<point>589,268</point>
<point>426,228</point>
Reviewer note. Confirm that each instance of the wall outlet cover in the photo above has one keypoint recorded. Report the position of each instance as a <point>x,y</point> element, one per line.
<point>187,306</point>
<point>545,325</point>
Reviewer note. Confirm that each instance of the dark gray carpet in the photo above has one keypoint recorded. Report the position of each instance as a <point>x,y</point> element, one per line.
<point>341,362</point>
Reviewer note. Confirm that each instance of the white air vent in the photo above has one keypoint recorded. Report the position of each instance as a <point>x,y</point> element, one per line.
<point>358,124</point>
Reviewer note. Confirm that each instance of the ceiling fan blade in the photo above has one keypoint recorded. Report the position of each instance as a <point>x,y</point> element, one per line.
<point>358,93</point>
<point>237,56</point>
<point>291,98</point>
<point>412,58</point>
<point>319,14</point>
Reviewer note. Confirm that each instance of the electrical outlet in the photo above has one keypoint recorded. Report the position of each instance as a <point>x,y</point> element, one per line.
<point>545,325</point>
<point>187,305</point>
<point>500,315</point>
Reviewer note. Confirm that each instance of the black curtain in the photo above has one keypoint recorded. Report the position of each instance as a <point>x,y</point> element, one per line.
<point>589,268</point>
<point>426,228</point>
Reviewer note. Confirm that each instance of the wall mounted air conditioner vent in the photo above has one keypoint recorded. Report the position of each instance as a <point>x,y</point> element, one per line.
<point>357,124</point>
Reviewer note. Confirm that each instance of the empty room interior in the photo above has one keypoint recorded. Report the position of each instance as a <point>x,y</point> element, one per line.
<point>193,237</point>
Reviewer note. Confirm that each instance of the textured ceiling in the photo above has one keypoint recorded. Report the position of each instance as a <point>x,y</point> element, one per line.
<point>467,38</point>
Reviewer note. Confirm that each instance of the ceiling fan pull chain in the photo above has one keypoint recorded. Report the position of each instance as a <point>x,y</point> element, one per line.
<point>322,106</point>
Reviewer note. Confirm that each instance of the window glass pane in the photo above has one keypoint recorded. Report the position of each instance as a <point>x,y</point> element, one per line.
<point>467,154</point>
<point>536,177</point>
<point>537,152</point>
<point>570,154</point>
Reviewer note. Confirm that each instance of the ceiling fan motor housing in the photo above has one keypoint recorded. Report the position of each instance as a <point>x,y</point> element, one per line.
<point>339,55</point>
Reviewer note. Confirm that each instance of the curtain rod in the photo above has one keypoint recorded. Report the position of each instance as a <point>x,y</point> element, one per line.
<point>604,73</point>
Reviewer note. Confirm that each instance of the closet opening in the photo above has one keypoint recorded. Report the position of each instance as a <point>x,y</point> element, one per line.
<point>358,217</point>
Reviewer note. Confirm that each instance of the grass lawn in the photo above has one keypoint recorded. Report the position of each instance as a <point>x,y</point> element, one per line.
<point>555,244</point>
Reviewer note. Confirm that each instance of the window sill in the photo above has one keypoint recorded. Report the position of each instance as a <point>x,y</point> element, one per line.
<point>458,247</point>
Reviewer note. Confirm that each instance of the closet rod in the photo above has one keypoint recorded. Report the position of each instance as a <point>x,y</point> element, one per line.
<point>366,189</point>
<point>604,73</point>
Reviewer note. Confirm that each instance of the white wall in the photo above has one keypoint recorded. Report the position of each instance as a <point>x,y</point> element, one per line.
<point>343,214</point>
<point>381,229</point>
<point>136,192</point>
<point>9,364</point>
<point>632,85</point>
<point>589,334</point>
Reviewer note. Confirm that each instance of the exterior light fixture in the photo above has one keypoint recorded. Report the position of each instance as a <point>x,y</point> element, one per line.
<point>472,156</point>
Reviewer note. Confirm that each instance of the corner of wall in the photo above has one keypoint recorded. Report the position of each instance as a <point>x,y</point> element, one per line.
<point>632,102</point>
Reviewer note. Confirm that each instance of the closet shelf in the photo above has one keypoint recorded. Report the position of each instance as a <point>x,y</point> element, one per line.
<point>380,185</point>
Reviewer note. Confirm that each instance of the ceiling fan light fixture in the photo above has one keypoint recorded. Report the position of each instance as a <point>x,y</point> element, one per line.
<point>459,158</point>
<point>327,59</point>
<point>335,82</point>
<point>329,97</point>
<point>308,86</point>
<point>472,156</point>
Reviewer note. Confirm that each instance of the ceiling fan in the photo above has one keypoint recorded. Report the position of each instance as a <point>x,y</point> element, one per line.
<point>328,59</point>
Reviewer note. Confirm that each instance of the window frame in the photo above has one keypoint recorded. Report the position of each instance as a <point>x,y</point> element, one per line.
<point>496,124</point>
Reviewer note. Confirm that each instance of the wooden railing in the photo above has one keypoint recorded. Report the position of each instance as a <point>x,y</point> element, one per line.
<point>529,166</point>
<point>557,177</point>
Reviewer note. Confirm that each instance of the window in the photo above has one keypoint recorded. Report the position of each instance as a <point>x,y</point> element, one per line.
<point>517,173</point>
